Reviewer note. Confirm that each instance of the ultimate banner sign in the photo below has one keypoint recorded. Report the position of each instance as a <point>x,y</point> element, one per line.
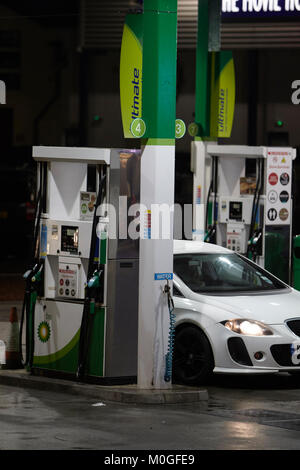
<point>222,94</point>
<point>131,72</point>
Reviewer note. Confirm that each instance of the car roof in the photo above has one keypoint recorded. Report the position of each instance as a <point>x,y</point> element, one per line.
<point>194,246</point>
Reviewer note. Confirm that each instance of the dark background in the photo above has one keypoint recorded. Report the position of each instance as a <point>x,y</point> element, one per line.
<point>60,64</point>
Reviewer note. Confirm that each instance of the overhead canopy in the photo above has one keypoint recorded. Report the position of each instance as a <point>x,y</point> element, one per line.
<point>71,154</point>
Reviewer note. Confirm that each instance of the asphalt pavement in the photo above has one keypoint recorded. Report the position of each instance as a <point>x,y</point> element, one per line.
<point>125,394</point>
<point>254,414</point>
<point>229,413</point>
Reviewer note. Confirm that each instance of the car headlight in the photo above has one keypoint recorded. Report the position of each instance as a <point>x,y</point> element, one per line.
<point>248,327</point>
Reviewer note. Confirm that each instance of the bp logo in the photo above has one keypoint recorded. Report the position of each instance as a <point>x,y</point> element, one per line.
<point>84,208</point>
<point>44,331</point>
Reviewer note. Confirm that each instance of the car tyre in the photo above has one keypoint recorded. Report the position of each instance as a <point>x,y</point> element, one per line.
<point>193,359</point>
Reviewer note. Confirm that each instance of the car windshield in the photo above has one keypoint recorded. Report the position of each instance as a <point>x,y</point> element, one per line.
<point>223,273</point>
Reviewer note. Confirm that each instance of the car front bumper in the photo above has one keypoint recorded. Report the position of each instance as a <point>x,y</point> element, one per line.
<point>235,353</point>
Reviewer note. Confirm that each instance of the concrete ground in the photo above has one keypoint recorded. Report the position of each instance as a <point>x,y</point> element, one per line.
<point>237,413</point>
<point>259,414</point>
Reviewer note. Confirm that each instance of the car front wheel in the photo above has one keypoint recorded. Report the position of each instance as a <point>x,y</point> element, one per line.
<point>192,360</point>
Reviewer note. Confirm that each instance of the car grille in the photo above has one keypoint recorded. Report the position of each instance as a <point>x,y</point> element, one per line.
<point>238,351</point>
<point>282,355</point>
<point>294,325</point>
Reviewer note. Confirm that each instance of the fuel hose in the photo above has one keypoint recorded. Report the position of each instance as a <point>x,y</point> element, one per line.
<point>28,307</point>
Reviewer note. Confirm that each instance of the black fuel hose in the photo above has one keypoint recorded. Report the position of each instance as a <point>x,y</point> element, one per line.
<point>28,314</point>
<point>211,235</point>
<point>21,330</point>
<point>255,204</point>
<point>207,204</point>
<point>25,315</point>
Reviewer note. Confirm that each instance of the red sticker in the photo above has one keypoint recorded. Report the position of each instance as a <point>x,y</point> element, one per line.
<point>273,178</point>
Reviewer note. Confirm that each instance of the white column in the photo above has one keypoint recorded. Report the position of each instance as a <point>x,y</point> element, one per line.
<point>200,187</point>
<point>156,257</point>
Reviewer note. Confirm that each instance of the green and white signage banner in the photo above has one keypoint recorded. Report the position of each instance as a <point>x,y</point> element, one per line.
<point>131,63</point>
<point>222,94</point>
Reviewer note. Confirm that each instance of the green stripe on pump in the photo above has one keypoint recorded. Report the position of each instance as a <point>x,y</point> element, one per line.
<point>103,245</point>
<point>157,142</point>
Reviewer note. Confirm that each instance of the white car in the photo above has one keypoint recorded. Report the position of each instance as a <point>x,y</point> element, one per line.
<point>232,316</point>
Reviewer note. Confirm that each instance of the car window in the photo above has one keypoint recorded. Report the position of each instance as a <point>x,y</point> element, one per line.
<point>221,273</point>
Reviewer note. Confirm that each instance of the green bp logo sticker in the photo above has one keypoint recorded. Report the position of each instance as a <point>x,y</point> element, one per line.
<point>44,331</point>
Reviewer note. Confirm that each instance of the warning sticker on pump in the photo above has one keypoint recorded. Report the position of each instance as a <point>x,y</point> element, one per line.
<point>283,214</point>
<point>272,214</point>
<point>278,186</point>
<point>272,197</point>
<point>273,179</point>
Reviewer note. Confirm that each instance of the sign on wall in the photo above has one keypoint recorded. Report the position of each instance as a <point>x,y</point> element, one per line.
<point>260,8</point>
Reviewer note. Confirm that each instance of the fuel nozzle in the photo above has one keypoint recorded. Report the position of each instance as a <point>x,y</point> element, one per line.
<point>95,286</point>
<point>95,280</point>
<point>34,275</point>
<point>167,289</point>
<point>38,275</point>
<point>210,236</point>
<point>255,244</point>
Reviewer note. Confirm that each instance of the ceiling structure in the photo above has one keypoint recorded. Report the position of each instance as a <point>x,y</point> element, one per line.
<point>101,22</point>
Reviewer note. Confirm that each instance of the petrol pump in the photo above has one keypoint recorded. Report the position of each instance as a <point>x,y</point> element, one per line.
<point>81,303</point>
<point>99,307</point>
<point>249,215</point>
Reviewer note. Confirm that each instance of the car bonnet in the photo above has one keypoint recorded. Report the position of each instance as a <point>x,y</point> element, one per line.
<point>269,308</point>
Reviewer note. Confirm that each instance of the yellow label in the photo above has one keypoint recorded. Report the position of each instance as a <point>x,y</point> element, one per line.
<point>130,79</point>
<point>222,100</point>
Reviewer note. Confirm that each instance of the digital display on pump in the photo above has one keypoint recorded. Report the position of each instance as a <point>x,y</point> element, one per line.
<point>235,210</point>
<point>69,239</point>
<point>260,9</point>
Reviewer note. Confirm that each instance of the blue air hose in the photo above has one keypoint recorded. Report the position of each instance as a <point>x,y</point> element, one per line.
<point>169,355</point>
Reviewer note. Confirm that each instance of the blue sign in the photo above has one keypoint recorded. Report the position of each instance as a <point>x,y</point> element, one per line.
<point>163,276</point>
<point>43,246</point>
<point>260,8</point>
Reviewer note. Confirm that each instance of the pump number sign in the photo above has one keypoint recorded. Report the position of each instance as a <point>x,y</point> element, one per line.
<point>138,127</point>
<point>180,128</point>
<point>278,186</point>
<point>193,129</point>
